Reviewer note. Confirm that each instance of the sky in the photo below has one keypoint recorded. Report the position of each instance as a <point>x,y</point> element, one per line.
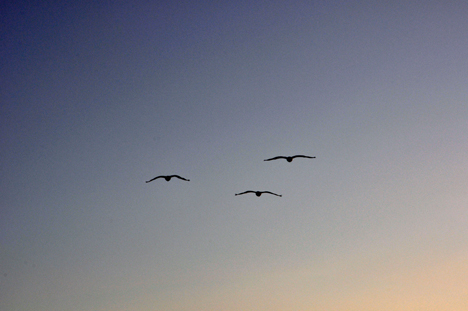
<point>97,97</point>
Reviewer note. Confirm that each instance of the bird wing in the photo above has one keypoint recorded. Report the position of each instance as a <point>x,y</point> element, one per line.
<point>154,179</point>
<point>279,195</point>
<point>248,191</point>
<point>275,158</point>
<point>180,177</point>
<point>302,156</point>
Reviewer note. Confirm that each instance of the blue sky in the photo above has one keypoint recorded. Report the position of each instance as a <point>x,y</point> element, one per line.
<point>98,97</point>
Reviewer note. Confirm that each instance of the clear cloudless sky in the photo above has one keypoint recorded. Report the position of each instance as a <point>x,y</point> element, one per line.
<point>96,97</point>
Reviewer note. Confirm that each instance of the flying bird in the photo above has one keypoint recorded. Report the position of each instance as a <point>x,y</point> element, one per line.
<point>167,178</point>
<point>289,159</point>
<point>258,193</point>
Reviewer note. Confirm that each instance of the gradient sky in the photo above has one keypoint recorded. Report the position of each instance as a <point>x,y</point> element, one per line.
<point>98,97</point>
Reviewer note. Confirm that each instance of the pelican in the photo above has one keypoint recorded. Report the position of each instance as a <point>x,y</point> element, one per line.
<point>289,159</point>
<point>258,193</point>
<point>167,178</point>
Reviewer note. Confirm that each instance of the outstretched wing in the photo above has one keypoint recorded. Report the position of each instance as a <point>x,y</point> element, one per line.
<point>180,177</point>
<point>279,195</point>
<point>302,156</point>
<point>154,179</point>
<point>248,191</point>
<point>275,158</point>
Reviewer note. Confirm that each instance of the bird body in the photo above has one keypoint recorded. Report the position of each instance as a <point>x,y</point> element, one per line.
<point>289,159</point>
<point>258,193</point>
<point>167,178</point>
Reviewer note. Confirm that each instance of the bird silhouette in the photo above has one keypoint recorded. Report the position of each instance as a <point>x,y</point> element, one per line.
<point>167,178</point>
<point>289,159</point>
<point>258,193</point>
